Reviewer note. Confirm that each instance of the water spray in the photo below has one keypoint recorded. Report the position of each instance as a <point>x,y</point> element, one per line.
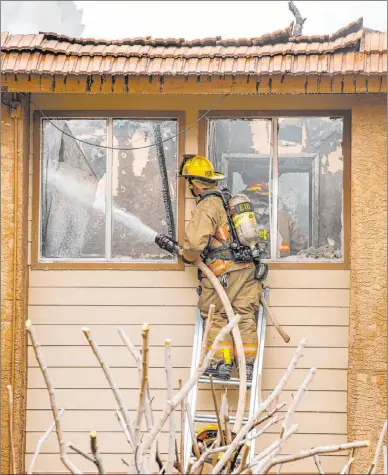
<point>82,192</point>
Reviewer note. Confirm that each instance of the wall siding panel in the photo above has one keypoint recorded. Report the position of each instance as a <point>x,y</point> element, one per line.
<point>309,303</point>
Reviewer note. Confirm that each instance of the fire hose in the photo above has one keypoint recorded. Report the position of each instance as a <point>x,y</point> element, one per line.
<point>174,247</point>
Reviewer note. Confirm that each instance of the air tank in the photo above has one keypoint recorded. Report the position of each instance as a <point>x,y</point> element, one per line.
<point>244,220</point>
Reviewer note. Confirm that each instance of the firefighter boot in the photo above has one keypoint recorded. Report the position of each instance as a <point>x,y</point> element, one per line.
<point>219,370</point>
<point>249,367</point>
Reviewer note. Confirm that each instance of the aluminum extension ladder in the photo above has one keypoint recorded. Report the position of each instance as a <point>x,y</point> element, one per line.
<point>254,386</point>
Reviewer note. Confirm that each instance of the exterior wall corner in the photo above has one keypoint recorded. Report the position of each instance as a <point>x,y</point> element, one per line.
<point>14,274</point>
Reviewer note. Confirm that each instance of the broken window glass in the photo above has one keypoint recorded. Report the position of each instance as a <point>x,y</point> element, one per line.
<point>310,188</point>
<point>102,204</point>
<point>71,182</point>
<point>304,172</point>
<point>137,187</point>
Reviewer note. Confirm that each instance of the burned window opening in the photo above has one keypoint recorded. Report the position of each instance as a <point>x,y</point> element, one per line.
<point>308,173</point>
<point>104,205</point>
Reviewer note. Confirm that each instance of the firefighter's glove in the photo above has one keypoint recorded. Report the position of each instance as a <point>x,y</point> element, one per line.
<point>168,244</point>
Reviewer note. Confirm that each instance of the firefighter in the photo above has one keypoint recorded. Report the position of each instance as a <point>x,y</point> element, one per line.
<point>208,235</point>
<point>290,239</point>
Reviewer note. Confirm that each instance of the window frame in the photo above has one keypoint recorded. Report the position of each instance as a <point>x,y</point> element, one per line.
<point>36,263</point>
<point>346,203</point>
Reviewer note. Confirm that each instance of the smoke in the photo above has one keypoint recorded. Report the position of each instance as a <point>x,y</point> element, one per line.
<point>24,17</point>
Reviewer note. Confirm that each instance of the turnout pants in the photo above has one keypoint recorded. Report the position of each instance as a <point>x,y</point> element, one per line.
<point>244,292</point>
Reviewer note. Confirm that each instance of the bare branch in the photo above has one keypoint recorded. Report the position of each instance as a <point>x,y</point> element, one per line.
<point>144,381</point>
<point>190,422</point>
<point>274,447</point>
<point>39,356</point>
<point>310,453</point>
<point>40,443</point>
<point>297,398</point>
<point>96,454</point>
<point>270,423</point>
<point>299,21</point>
<point>182,394</point>
<point>172,428</point>
<point>177,463</point>
<point>262,407</point>
<point>80,452</point>
<point>137,357</point>
<point>270,414</point>
<point>373,467</point>
<point>112,383</point>
<point>123,427</point>
<point>228,431</point>
<point>318,465</point>
<point>139,456</point>
<point>10,429</point>
<point>244,455</point>
<point>220,431</point>
<point>346,468</point>
<point>131,347</point>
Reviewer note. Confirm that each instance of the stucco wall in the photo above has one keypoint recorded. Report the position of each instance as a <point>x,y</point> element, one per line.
<point>14,273</point>
<point>367,376</point>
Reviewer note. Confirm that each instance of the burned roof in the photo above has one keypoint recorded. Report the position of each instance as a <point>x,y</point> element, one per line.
<point>351,50</point>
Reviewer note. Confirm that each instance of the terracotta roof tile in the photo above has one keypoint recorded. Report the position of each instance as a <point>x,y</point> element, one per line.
<point>351,50</point>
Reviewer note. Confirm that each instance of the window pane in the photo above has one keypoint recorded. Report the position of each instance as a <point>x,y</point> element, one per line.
<point>137,188</point>
<point>241,149</point>
<point>72,185</point>
<point>310,188</point>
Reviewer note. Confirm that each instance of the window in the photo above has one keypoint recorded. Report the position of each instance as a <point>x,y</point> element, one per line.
<point>102,205</point>
<point>292,170</point>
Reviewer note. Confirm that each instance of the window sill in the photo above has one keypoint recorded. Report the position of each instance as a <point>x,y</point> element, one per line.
<point>309,265</point>
<point>134,266</point>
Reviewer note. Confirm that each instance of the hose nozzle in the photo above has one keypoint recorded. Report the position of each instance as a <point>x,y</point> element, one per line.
<point>168,244</point>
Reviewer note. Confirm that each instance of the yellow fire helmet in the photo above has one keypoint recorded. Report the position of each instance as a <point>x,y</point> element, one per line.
<point>208,434</point>
<point>197,166</point>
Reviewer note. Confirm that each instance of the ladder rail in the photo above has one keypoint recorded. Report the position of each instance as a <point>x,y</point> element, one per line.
<point>258,368</point>
<point>255,386</point>
<point>193,394</point>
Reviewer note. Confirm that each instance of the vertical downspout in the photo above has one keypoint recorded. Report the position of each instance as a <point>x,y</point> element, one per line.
<point>15,114</point>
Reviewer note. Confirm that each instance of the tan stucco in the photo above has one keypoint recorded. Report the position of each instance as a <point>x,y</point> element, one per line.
<point>367,377</point>
<point>14,276</point>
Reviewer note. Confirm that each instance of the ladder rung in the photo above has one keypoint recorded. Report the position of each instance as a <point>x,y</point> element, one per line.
<point>229,382</point>
<point>212,418</point>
